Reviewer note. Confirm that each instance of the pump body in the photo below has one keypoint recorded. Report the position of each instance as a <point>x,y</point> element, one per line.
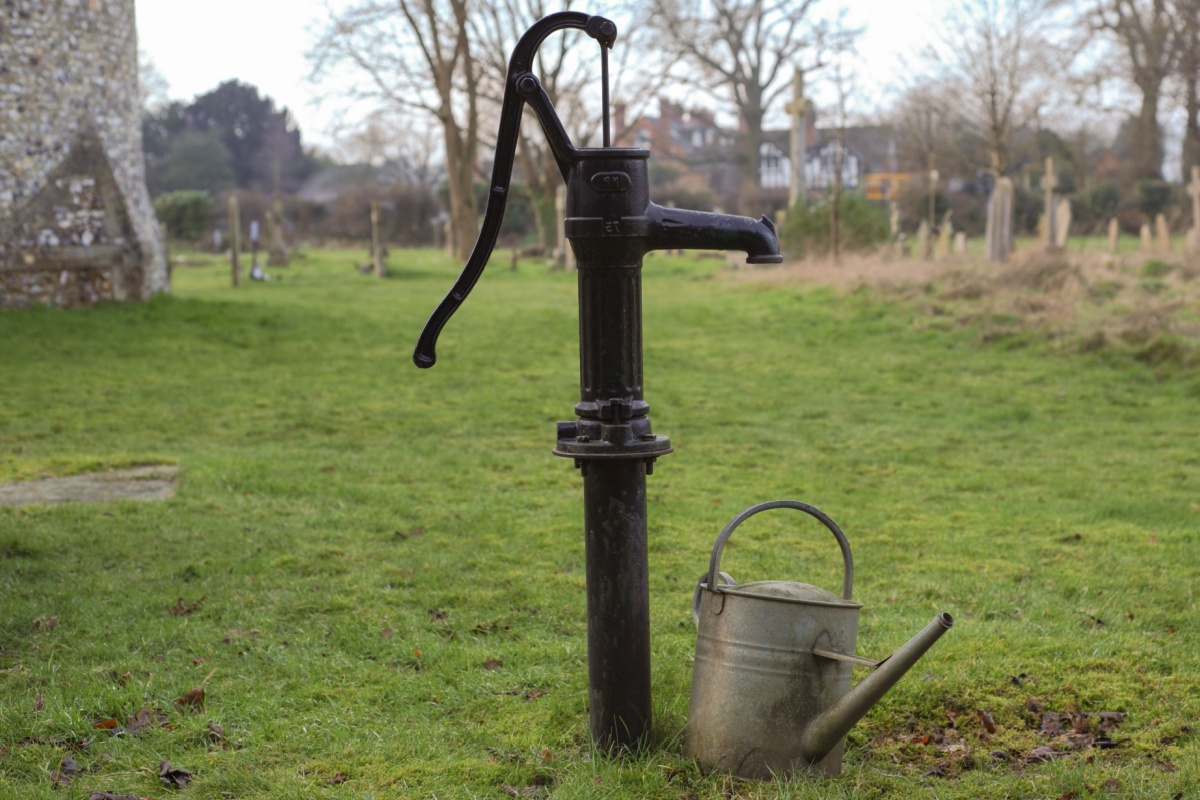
<point>610,224</point>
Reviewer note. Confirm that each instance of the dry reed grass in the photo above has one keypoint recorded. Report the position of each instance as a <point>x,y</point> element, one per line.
<point>1146,307</point>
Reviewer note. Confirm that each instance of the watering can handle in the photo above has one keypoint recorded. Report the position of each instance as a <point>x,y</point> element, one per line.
<point>714,564</point>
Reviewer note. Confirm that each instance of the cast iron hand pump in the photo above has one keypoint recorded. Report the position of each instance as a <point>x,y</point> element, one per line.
<point>611,225</point>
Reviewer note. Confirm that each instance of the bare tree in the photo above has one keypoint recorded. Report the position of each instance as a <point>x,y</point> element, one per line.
<point>743,51</point>
<point>415,56</point>
<point>843,80</point>
<point>991,55</point>
<point>153,89</point>
<point>1189,77</point>
<point>1147,34</point>
<point>568,68</point>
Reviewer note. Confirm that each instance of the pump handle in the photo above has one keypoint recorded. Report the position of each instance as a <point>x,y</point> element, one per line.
<point>521,86</point>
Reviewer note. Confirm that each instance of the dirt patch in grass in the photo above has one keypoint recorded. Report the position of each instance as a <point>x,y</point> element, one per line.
<point>155,482</point>
<point>1144,308</point>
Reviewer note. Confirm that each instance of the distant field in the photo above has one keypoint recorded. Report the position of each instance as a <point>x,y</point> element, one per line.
<point>375,574</point>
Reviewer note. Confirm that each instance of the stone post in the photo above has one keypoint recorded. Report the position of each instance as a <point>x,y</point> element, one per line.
<point>923,243</point>
<point>945,234</point>
<point>1049,184</point>
<point>1162,232</point>
<point>960,243</point>
<point>1062,223</point>
<point>998,244</point>
<point>560,235</point>
<point>797,109</point>
<point>376,249</point>
<point>1147,239</point>
<point>1114,235</point>
<point>235,240</point>
<point>1193,235</point>
<point>277,255</point>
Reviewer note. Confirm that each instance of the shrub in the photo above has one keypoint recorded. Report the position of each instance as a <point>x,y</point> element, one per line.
<point>1153,197</point>
<point>187,214</point>
<point>1095,205</point>
<point>861,226</point>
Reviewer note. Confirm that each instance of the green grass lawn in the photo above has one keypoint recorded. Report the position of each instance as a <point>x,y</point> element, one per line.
<point>381,568</point>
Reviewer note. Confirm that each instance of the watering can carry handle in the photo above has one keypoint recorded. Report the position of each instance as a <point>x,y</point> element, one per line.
<point>714,564</point>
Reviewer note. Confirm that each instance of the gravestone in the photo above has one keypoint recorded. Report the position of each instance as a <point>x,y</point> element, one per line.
<point>960,243</point>
<point>277,254</point>
<point>564,255</point>
<point>797,109</point>
<point>1062,222</point>
<point>945,234</point>
<point>1193,235</point>
<point>235,240</point>
<point>76,223</point>
<point>1147,239</point>
<point>998,241</point>
<point>923,243</point>
<point>894,233</point>
<point>376,247</point>
<point>1162,233</point>
<point>1049,184</point>
<point>1114,235</point>
<point>216,240</point>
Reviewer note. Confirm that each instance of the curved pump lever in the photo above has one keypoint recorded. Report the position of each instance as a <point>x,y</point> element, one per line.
<point>521,86</point>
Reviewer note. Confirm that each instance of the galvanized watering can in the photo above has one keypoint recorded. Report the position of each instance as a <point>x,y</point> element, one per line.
<point>771,690</point>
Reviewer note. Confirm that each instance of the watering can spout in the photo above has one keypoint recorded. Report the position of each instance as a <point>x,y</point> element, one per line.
<point>826,731</point>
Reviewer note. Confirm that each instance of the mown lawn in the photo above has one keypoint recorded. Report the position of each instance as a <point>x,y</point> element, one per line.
<point>377,575</point>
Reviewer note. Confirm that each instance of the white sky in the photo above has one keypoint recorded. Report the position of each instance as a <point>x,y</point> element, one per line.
<point>196,46</point>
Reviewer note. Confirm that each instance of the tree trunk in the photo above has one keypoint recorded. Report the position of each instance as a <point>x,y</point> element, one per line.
<point>460,183</point>
<point>1146,163</point>
<point>1190,72</point>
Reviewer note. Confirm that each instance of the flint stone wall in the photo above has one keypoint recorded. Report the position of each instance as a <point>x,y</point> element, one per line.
<point>76,223</point>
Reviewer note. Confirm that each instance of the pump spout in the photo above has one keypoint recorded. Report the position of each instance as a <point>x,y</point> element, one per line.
<point>824,733</point>
<point>678,229</point>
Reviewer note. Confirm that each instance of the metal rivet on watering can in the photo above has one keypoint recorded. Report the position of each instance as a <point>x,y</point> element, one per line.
<point>611,224</point>
<point>771,690</point>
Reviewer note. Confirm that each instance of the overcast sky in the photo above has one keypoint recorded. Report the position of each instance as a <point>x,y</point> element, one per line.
<point>196,46</point>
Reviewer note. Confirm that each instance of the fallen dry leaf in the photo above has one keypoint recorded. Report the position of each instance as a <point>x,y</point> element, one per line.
<point>387,633</point>
<point>1111,785</point>
<point>336,779</point>
<point>38,702</point>
<point>182,609</point>
<point>493,663</point>
<point>106,724</point>
<point>145,719</point>
<point>66,772</point>
<point>1043,753</point>
<point>986,720</point>
<point>534,694</point>
<point>173,776</point>
<point>1166,766</point>
<point>111,796</point>
<point>192,698</point>
<point>216,733</point>
<point>45,623</point>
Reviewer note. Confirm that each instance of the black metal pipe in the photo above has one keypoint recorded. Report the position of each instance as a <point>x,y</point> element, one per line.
<point>618,603</point>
